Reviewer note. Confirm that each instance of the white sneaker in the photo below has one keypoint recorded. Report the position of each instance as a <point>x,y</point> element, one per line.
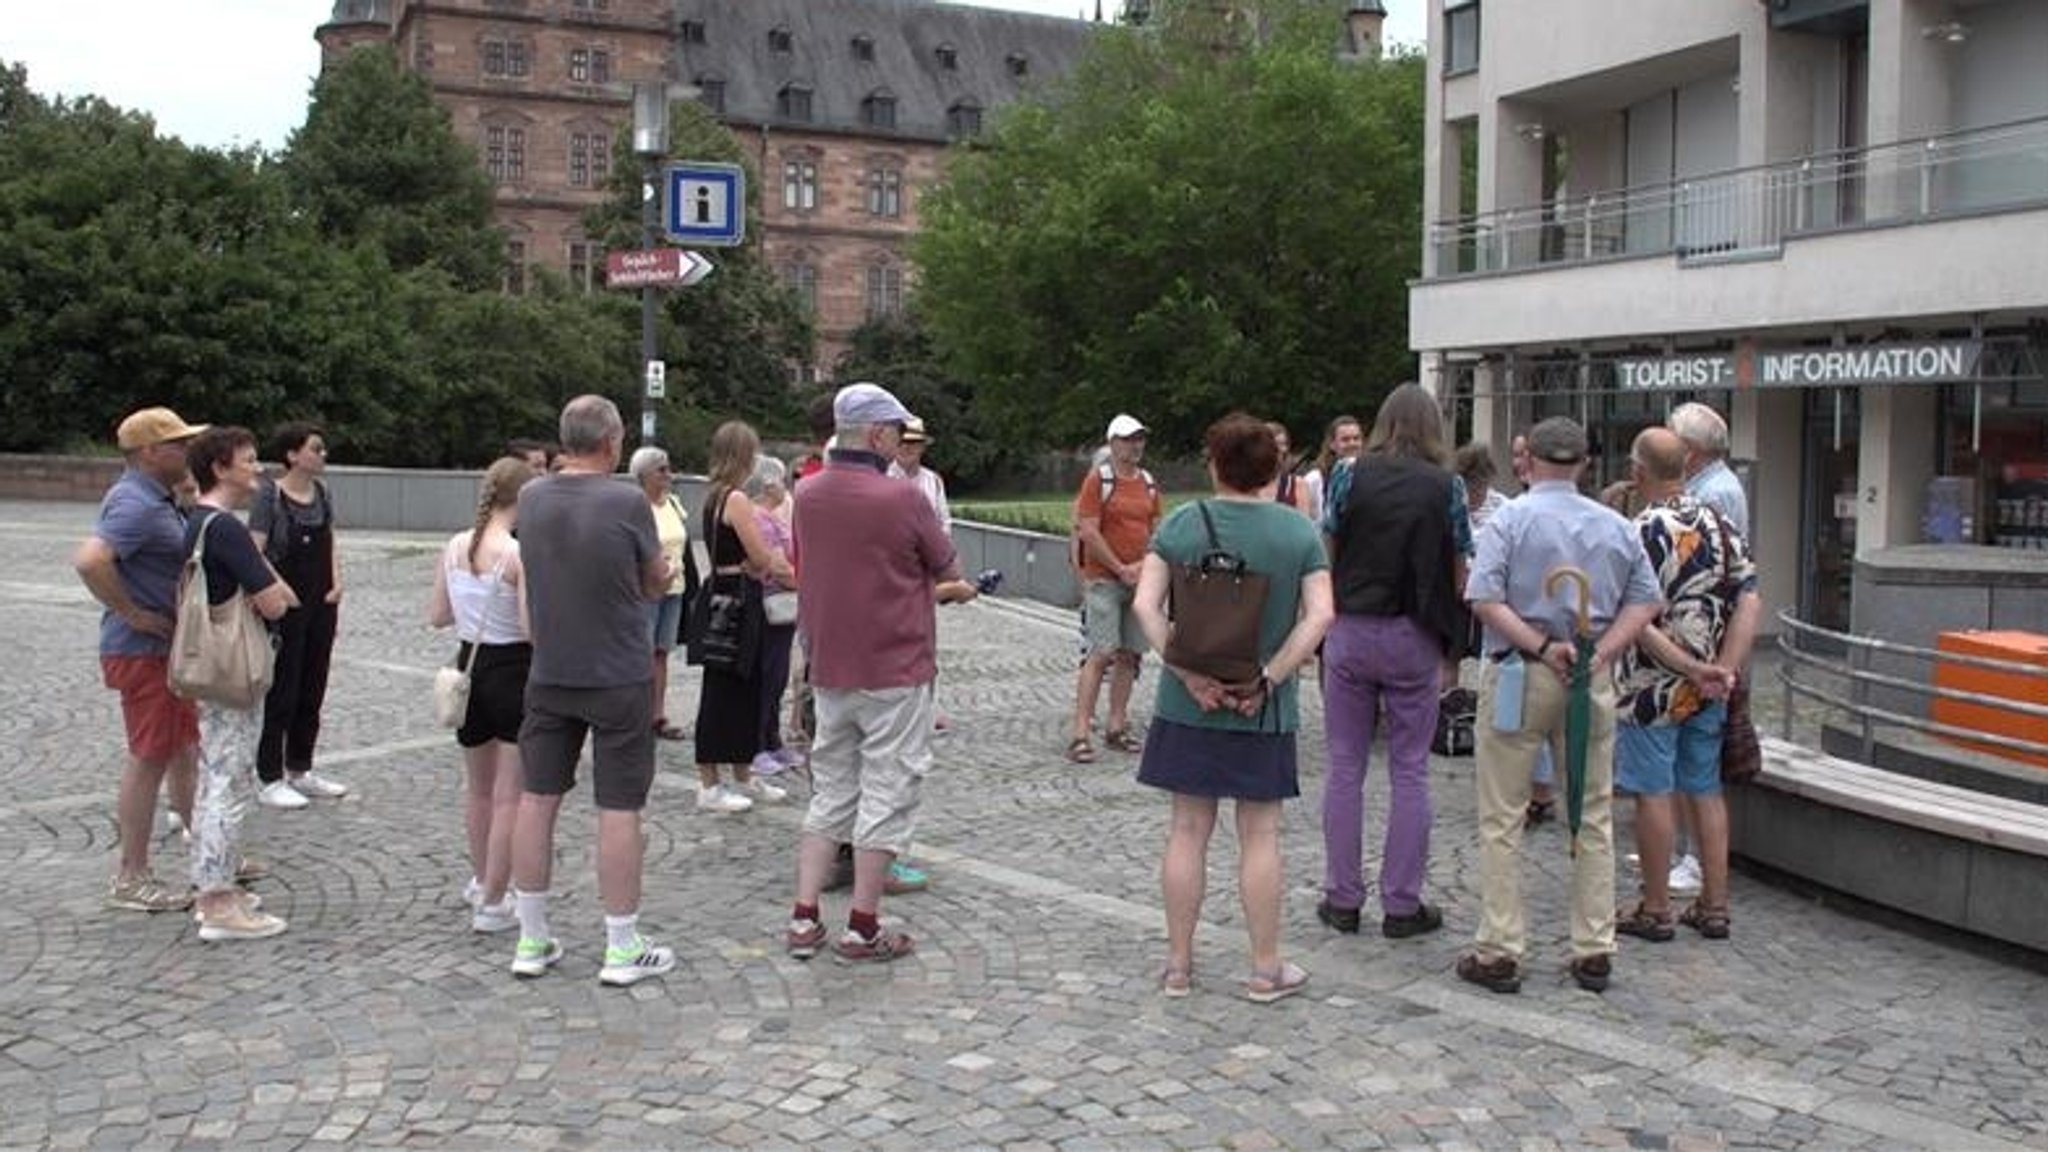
<point>762,792</point>
<point>1685,876</point>
<point>316,785</point>
<point>643,960</point>
<point>473,893</point>
<point>239,923</point>
<point>719,798</point>
<point>499,917</point>
<point>278,794</point>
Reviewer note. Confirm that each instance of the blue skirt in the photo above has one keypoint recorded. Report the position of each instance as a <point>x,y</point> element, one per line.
<point>1197,761</point>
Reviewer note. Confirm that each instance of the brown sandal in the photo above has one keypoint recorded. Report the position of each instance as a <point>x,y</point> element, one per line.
<point>1123,740</point>
<point>1644,924</point>
<point>1080,751</point>
<point>1711,923</point>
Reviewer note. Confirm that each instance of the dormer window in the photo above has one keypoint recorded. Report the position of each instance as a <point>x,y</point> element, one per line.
<point>693,32</point>
<point>793,102</point>
<point>864,49</point>
<point>878,110</point>
<point>1018,63</point>
<point>711,92</point>
<point>949,57</point>
<point>779,40</point>
<point>964,119</point>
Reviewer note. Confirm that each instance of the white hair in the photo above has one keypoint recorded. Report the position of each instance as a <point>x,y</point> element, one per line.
<point>645,460</point>
<point>1700,427</point>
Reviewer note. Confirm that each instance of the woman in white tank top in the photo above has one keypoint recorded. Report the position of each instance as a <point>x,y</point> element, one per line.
<point>477,591</point>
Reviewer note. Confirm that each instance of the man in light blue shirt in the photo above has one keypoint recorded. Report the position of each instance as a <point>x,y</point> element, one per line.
<point>1550,527</point>
<point>1708,478</point>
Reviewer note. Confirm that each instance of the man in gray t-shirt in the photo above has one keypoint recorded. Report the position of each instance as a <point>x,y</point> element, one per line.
<point>592,564</point>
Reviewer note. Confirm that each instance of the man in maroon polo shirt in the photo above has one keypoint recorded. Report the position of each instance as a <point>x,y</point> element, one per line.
<point>873,554</point>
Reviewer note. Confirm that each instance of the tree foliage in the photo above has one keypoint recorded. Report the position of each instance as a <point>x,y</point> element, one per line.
<point>377,163</point>
<point>242,288</point>
<point>1206,216</point>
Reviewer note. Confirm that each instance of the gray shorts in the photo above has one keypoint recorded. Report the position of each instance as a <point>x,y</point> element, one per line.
<point>868,763</point>
<point>620,724</point>
<point>1107,622</point>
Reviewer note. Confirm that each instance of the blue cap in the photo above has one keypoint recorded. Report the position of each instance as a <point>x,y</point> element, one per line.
<point>866,403</point>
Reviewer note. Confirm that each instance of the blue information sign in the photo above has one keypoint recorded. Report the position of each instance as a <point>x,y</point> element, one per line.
<point>705,204</point>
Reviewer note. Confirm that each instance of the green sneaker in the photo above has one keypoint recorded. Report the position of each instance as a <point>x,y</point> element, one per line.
<point>534,957</point>
<point>905,878</point>
<point>630,965</point>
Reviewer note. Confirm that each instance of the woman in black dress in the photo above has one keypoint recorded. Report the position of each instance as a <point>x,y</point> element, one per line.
<point>729,708</point>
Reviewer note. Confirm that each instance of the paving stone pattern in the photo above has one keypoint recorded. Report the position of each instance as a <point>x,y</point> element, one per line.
<point>1028,1018</point>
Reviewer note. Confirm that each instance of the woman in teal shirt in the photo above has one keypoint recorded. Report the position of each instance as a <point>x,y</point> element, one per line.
<point>1211,740</point>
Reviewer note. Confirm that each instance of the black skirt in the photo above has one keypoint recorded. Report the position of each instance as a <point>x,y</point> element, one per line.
<point>728,719</point>
<point>1196,761</point>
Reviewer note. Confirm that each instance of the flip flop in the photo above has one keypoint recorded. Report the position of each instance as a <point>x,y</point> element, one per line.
<point>1080,751</point>
<point>1266,987</point>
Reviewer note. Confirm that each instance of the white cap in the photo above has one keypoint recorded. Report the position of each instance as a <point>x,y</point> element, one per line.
<point>1124,427</point>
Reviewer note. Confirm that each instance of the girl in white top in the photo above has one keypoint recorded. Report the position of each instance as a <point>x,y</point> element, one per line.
<point>477,590</point>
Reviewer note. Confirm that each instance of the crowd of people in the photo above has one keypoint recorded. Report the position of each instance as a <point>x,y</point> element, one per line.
<point>1393,563</point>
<point>1387,565</point>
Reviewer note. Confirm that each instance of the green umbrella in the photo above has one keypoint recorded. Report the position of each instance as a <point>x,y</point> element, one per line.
<point>1578,708</point>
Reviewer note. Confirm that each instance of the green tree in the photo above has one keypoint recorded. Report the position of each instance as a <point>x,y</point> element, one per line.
<point>1211,213</point>
<point>729,340</point>
<point>136,269</point>
<point>377,163</point>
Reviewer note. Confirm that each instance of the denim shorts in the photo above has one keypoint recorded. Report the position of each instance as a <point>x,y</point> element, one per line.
<point>663,618</point>
<point>1659,760</point>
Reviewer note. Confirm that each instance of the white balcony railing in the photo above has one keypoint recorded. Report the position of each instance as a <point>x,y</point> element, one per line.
<point>1753,211</point>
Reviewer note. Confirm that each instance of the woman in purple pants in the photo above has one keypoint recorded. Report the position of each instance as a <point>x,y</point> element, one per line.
<point>1396,525</point>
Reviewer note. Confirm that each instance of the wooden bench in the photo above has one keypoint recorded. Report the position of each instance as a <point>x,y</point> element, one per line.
<point>1967,859</point>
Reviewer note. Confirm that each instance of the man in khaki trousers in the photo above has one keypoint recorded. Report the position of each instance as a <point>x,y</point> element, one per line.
<point>1550,527</point>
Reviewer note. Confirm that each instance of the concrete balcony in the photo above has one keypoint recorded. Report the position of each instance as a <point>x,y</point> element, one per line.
<point>1947,225</point>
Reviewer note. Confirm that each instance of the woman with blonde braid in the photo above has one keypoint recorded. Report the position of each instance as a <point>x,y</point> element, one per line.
<point>477,589</point>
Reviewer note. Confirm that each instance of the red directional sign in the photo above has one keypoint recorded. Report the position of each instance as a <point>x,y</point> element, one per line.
<point>657,267</point>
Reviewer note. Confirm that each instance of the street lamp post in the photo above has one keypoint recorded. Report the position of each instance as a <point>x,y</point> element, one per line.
<point>650,144</point>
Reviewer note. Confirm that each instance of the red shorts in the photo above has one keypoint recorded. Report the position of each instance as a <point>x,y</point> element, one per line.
<point>159,724</point>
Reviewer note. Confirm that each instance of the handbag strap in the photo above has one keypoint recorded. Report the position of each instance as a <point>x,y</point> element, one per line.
<point>484,617</point>
<point>1208,525</point>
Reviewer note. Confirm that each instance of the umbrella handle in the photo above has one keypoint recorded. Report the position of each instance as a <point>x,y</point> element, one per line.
<point>1577,576</point>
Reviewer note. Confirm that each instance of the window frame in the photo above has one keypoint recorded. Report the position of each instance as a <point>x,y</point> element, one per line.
<point>1456,14</point>
<point>884,295</point>
<point>795,101</point>
<point>885,190</point>
<point>800,182</point>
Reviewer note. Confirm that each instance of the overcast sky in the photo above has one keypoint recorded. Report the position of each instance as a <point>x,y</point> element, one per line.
<point>225,72</point>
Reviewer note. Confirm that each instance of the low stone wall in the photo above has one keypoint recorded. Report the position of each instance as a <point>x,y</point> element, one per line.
<point>1034,566</point>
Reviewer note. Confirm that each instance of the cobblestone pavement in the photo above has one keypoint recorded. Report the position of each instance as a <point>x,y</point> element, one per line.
<point>1027,1018</point>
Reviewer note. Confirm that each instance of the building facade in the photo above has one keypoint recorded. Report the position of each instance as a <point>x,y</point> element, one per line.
<point>1827,218</point>
<point>845,108</point>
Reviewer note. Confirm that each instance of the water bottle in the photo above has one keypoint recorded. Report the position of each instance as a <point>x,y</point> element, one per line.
<point>1507,694</point>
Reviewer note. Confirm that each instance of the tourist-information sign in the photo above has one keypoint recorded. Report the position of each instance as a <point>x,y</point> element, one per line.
<point>706,204</point>
<point>656,267</point>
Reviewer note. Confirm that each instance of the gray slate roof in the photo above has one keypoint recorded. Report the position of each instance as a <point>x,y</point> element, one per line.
<point>907,36</point>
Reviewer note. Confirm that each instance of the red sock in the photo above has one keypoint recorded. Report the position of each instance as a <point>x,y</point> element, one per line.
<point>805,912</point>
<point>863,924</point>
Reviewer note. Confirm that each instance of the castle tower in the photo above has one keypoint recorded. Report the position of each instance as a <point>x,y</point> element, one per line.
<point>1363,27</point>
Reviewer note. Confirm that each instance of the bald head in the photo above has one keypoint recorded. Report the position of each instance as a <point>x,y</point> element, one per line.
<point>1661,456</point>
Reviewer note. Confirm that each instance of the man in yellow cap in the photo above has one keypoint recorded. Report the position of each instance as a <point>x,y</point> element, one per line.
<point>130,564</point>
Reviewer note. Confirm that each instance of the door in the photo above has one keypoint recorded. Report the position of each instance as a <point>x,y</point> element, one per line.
<point>1828,484</point>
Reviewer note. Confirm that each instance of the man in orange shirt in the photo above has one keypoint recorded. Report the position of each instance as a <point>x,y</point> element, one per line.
<point>1114,515</point>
